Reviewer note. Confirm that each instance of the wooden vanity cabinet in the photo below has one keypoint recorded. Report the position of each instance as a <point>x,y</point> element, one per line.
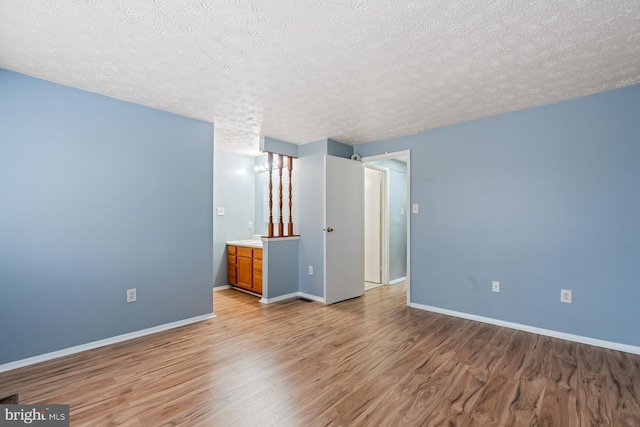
<point>232,270</point>
<point>245,268</point>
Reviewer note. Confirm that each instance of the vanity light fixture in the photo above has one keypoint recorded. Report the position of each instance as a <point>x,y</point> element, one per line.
<point>265,167</point>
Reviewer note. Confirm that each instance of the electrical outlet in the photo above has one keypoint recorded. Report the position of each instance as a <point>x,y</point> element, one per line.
<point>220,211</point>
<point>495,286</point>
<point>132,295</point>
<point>566,296</point>
<point>311,270</point>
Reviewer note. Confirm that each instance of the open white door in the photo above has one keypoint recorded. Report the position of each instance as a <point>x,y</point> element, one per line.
<point>344,229</point>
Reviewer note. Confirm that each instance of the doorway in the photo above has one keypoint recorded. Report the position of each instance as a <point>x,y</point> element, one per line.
<point>393,249</point>
<point>375,183</point>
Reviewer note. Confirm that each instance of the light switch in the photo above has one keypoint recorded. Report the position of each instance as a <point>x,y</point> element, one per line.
<point>401,211</point>
<point>220,211</point>
<point>415,208</point>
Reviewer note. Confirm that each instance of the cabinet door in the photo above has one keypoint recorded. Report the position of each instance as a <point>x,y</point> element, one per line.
<point>232,273</point>
<point>257,276</point>
<point>245,268</point>
<point>232,270</point>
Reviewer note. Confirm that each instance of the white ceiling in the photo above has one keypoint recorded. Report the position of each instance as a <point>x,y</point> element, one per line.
<point>351,70</point>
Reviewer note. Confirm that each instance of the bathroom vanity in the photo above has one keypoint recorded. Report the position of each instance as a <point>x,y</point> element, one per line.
<point>245,265</point>
<point>266,267</point>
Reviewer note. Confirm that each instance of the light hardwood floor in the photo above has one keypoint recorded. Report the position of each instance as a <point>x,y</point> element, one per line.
<point>369,361</point>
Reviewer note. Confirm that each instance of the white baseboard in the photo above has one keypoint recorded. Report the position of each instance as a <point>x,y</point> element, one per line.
<point>220,288</point>
<point>311,297</point>
<point>280,298</point>
<point>292,295</point>
<point>371,285</point>
<point>398,280</point>
<point>246,291</point>
<point>533,329</point>
<point>101,343</point>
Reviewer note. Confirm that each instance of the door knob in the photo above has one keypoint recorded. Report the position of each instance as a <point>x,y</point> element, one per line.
<point>329,229</point>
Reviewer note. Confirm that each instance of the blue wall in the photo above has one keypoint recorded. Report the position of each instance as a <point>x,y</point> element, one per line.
<point>279,147</point>
<point>397,220</point>
<point>261,179</point>
<point>338,149</point>
<point>233,190</point>
<point>308,193</point>
<point>539,199</point>
<point>280,267</point>
<point>97,196</point>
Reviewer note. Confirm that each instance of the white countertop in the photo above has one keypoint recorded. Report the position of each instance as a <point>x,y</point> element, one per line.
<point>252,243</point>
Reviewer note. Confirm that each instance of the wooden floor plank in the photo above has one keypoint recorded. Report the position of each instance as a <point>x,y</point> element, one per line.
<point>367,361</point>
<point>456,406</point>
<point>559,402</point>
<point>493,405</point>
<point>624,390</point>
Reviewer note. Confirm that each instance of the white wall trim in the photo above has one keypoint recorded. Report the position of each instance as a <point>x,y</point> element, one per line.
<point>533,329</point>
<point>370,285</point>
<point>398,280</point>
<point>101,343</point>
<point>220,288</point>
<point>280,298</point>
<point>311,297</point>
<point>246,291</point>
<point>291,295</point>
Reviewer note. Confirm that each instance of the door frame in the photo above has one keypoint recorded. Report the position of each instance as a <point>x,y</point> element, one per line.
<point>384,222</point>
<point>407,155</point>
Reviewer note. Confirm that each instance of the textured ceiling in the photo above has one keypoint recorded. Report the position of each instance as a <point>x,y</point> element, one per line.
<point>299,71</point>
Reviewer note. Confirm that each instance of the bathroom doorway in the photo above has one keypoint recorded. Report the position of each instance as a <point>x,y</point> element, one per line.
<point>387,219</point>
<point>375,225</point>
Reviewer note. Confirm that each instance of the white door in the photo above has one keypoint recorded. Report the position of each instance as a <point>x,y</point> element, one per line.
<point>372,225</point>
<point>344,229</point>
